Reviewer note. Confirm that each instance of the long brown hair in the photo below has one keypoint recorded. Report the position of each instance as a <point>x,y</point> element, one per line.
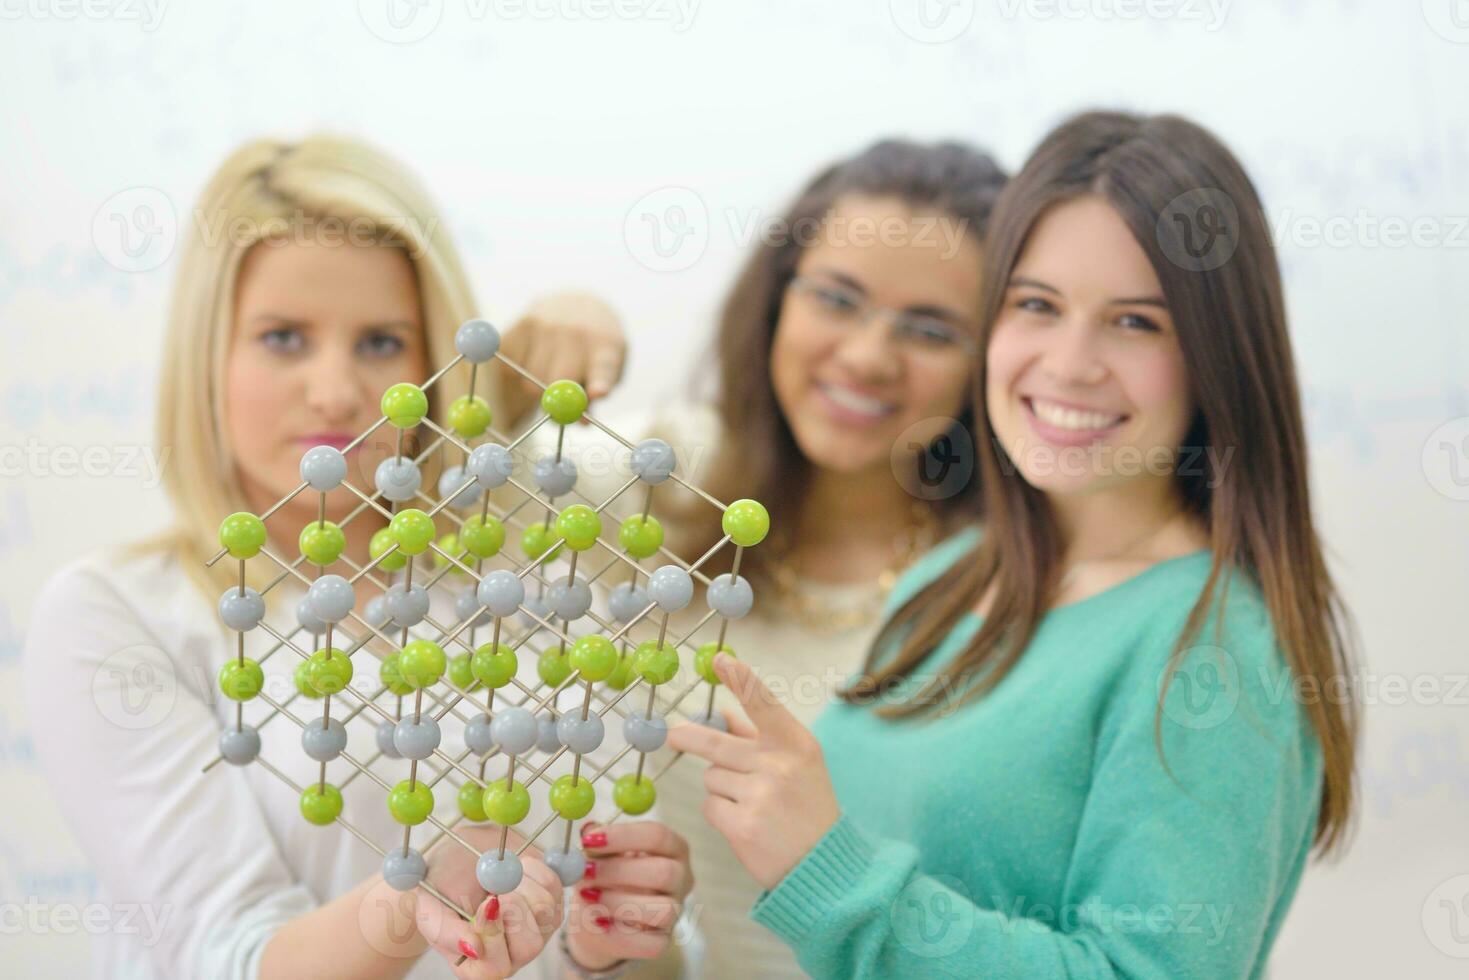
<point>1230,317</point>
<point>757,454</point>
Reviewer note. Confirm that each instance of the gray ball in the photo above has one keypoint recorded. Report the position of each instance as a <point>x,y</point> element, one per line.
<point>645,734</point>
<point>324,467</point>
<point>477,340</point>
<point>514,730</point>
<point>376,611</point>
<point>498,875</point>
<point>241,612</point>
<point>416,739</point>
<point>310,622</point>
<point>502,591</point>
<point>406,607</point>
<point>467,604</point>
<point>478,736</point>
<point>491,465</point>
<point>554,477</point>
<point>731,596</point>
<point>580,735</point>
<point>569,866</point>
<point>671,587</point>
<point>569,600</point>
<point>404,872</point>
<point>324,744</point>
<point>452,479</point>
<point>537,605</point>
<point>397,478</point>
<point>652,460</point>
<point>546,738</point>
<point>239,746</point>
<point>626,601</point>
<point>331,598</point>
<point>385,730</point>
<point>715,720</point>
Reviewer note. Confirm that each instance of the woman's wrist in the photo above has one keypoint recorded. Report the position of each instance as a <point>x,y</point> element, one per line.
<point>581,965</point>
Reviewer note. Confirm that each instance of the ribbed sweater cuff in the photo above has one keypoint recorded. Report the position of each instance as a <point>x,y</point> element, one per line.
<point>829,873</point>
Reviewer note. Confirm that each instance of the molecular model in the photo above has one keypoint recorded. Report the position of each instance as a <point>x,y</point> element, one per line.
<point>442,668</point>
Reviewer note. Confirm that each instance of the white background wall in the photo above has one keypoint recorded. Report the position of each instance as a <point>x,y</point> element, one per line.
<point>543,126</point>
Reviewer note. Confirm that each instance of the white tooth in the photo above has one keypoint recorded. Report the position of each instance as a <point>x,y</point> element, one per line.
<point>854,401</point>
<point>1070,418</point>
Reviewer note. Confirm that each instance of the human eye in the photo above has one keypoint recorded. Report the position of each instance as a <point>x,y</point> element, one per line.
<point>928,331</point>
<point>1136,321</point>
<point>1034,304</point>
<point>283,340</point>
<point>379,343</point>
<point>837,300</point>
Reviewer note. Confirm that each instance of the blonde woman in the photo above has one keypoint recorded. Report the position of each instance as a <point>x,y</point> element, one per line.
<point>314,275</point>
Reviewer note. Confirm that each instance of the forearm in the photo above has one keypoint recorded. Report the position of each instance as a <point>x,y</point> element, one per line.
<point>369,932</point>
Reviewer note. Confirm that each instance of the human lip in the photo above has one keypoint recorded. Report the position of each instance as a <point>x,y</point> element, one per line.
<point>337,440</point>
<point>850,405</point>
<point>1068,424</point>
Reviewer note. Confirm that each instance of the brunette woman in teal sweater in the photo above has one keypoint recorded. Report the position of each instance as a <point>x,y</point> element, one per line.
<point>1096,738</point>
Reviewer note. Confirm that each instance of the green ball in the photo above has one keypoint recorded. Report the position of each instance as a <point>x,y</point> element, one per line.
<point>422,663</point>
<point>241,681</point>
<point>243,534</point>
<point>482,537</point>
<point>392,676</point>
<point>461,675</point>
<point>704,661</point>
<point>564,401</point>
<point>506,806</point>
<point>594,656</point>
<point>301,675</point>
<point>655,664</point>
<point>472,802</point>
<point>382,540</point>
<point>329,671</point>
<point>469,415</point>
<point>494,667</point>
<point>633,795</point>
<point>536,539</point>
<point>554,666</point>
<point>449,545</point>
<point>413,530</point>
<point>746,522</point>
<point>573,798</point>
<point>641,536</point>
<point>322,542</point>
<point>579,526</point>
<point>321,804</point>
<point>622,674</point>
<point>405,405</point>
<point>411,804</point>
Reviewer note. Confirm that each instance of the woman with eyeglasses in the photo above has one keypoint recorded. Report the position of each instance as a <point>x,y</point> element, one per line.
<point>844,362</point>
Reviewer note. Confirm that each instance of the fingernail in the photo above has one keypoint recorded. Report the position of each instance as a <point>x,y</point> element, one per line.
<point>492,908</point>
<point>591,894</point>
<point>591,871</point>
<point>593,839</point>
<point>468,949</point>
<point>603,923</point>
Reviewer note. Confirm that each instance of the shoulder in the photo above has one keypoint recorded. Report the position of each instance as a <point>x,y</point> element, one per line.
<point>930,565</point>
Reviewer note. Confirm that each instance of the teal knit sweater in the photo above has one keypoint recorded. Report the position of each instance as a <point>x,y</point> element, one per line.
<point>1035,833</point>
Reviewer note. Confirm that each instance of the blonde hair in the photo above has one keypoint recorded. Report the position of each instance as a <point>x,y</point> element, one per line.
<point>264,189</point>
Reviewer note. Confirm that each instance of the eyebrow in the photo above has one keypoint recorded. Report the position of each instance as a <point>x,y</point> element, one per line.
<point>922,309</point>
<point>287,321</point>
<point>1119,301</point>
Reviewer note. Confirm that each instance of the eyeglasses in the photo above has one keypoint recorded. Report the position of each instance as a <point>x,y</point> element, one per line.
<point>843,306</point>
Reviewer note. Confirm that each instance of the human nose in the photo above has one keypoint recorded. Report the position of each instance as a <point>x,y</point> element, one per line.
<point>1071,354</point>
<point>866,351</point>
<point>333,390</point>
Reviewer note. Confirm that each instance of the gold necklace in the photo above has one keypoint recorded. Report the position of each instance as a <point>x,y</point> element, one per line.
<point>823,615</point>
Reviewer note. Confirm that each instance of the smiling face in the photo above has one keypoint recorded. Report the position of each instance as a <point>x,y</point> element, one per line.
<point>848,388</point>
<point>319,332</point>
<point>1086,387</point>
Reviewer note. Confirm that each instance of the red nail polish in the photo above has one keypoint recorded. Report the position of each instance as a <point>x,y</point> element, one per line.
<point>603,923</point>
<point>598,839</point>
<point>467,949</point>
<point>492,909</point>
<point>591,894</point>
<point>591,871</point>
